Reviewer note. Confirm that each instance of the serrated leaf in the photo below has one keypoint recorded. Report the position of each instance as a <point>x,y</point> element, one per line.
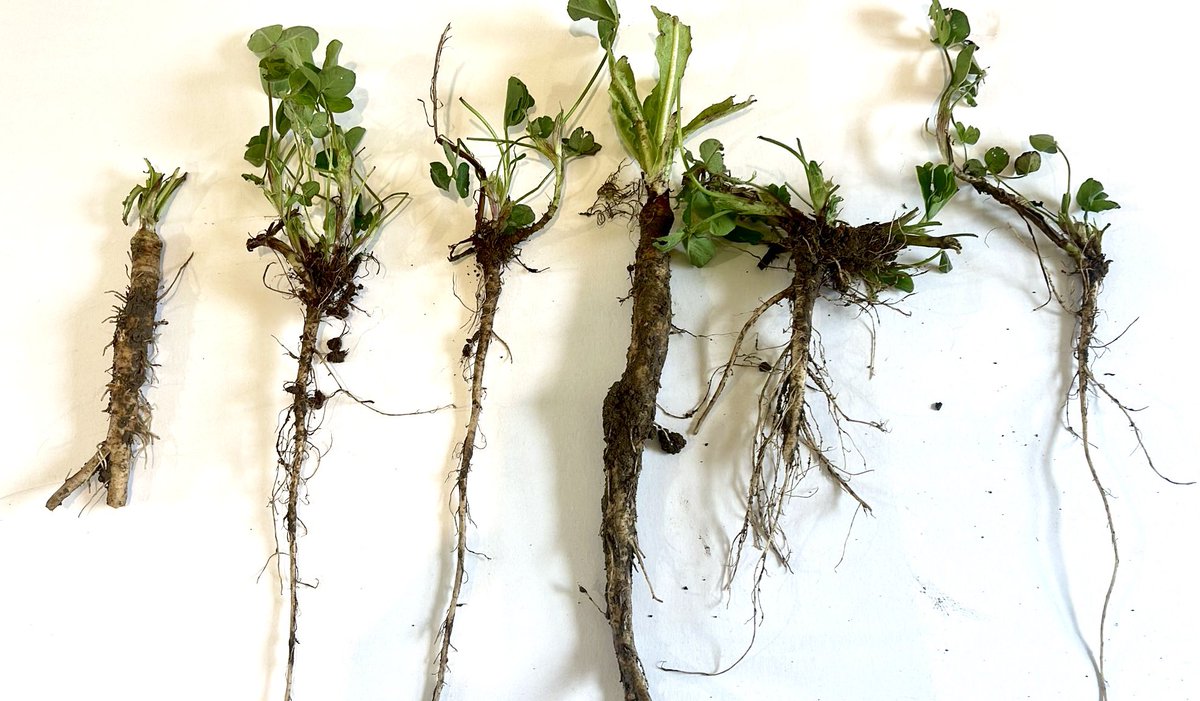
<point>996,160</point>
<point>626,110</point>
<point>440,175</point>
<point>462,180</point>
<point>672,48</point>
<point>1028,162</point>
<point>1044,143</point>
<point>714,112</point>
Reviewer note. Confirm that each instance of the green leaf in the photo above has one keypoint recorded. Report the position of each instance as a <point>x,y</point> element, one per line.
<point>451,154</point>
<point>319,128</point>
<point>518,102</point>
<point>962,65</point>
<point>541,127</point>
<point>670,241</point>
<point>336,82</point>
<point>712,155</point>
<point>938,186</point>
<point>1028,162</point>
<point>1044,143</point>
<point>627,114</point>
<point>308,191</point>
<point>256,148</point>
<point>975,168</point>
<point>779,192</point>
<point>903,282</point>
<point>671,48</point>
<point>354,137</point>
<point>967,134</point>
<point>263,39</point>
<point>722,226</point>
<point>996,160</point>
<point>462,180</point>
<point>581,143</point>
<point>332,50</point>
<point>605,14</point>
<point>959,26</point>
<point>1091,197</point>
<point>743,235</point>
<point>338,105</point>
<point>700,250</point>
<point>714,112</point>
<point>944,265</point>
<point>323,161</point>
<point>521,216</point>
<point>440,175</point>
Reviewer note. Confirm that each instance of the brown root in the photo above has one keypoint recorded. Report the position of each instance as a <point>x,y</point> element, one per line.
<point>326,285</point>
<point>488,297</point>
<point>628,418</point>
<point>128,411</point>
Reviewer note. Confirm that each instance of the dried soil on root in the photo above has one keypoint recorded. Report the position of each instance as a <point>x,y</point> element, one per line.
<point>132,344</point>
<point>628,421</point>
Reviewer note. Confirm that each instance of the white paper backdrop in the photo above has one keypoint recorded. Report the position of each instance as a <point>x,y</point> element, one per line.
<point>981,573</point>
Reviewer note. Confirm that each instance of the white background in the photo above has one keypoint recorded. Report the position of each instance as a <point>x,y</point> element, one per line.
<point>980,575</point>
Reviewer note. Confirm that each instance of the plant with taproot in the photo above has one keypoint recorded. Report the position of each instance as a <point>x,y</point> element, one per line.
<point>1070,222</point>
<point>653,131</point>
<point>825,257</point>
<point>325,217</point>
<point>135,320</point>
<point>505,219</point>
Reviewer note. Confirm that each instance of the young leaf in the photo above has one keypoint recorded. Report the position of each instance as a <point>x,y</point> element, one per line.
<point>944,264</point>
<point>996,160</point>
<point>580,143</point>
<point>1044,143</point>
<point>517,103</point>
<point>1091,197</point>
<point>440,175</point>
<point>1028,162</point>
<point>967,134</point>
<point>541,127</point>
